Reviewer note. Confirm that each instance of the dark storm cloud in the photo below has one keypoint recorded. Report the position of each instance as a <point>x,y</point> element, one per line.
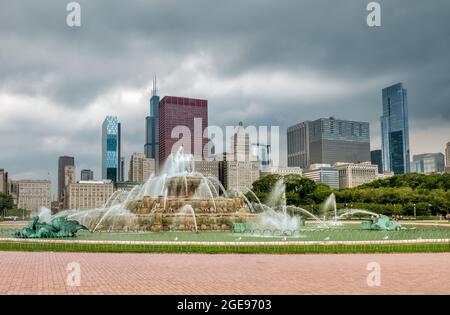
<point>122,44</point>
<point>117,42</point>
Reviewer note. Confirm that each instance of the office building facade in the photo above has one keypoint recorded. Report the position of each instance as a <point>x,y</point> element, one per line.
<point>428,163</point>
<point>187,115</point>
<point>141,168</point>
<point>88,194</point>
<point>31,195</point>
<point>86,175</point>
<point>376,158</point>
<point>298,145</point>
<point>356,174</point>
<point>63,161</point>
<point>209,169</point>
<point>283,171</point>
<point>328,141</point>
<point>395,130</point>
<point>323,173</point>
<point>111,143</point>
<point>4,182</point>
<point>238,176</point>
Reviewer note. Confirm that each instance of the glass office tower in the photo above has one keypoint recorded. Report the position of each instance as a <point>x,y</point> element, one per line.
<point>395,130</point>
<point>111,148</point>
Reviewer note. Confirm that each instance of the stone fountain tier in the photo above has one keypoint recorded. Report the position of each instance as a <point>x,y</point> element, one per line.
<point>183,186</point>
<point>175,204</point>
<point>164,214</point>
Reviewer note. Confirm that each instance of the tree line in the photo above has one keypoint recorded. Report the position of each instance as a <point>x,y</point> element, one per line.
<point>405,194</point>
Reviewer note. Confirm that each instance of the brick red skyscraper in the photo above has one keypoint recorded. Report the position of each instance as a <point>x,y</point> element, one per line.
<point>180,111</point>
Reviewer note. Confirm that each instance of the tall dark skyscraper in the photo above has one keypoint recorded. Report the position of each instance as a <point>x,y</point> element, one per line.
<point>111,134</point>
<point>395,130</point>
<point>327,141</point>
<point>186,113</point>
<point>376,158</point>
<point>151,126</point>
<point>63,161</point>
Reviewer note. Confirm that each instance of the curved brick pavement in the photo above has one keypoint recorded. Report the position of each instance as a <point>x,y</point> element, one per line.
<point>45,273</point>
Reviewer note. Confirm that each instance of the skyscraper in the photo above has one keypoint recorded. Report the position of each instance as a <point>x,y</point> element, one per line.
<point>86,175</point>
<point>240,145</point>
<point>111,148</point>
<point>376,157</point>
<point>185,114</point>
<point>239,169</point>
<point>328,141</point>
<point>151,126</point>
<point>63,161</point>
<point>122,169</point>
<point>395,130</point>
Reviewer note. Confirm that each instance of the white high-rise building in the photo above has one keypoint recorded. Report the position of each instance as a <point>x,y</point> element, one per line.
<point>240,146</point>
<point>355,174</point>
<point>88,194</point>
<point>238,170</point>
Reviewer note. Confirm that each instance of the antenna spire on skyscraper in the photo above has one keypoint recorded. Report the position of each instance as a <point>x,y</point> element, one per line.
<point>154,90</point>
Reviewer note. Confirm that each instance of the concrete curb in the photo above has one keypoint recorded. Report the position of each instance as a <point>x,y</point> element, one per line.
<point>193,243</point>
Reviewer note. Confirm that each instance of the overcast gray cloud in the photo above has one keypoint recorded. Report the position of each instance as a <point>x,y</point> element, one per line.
<point>264,62</point>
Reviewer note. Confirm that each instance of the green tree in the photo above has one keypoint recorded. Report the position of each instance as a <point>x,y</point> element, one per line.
<point>6,203</point>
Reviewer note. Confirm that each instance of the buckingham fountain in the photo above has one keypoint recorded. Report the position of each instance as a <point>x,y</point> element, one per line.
<point>181,199</point>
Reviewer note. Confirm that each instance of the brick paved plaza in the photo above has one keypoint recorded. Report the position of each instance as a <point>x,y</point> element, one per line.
<point>45,273</point>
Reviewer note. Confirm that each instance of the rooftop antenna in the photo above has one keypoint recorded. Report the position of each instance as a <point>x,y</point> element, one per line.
<point>154,90</point>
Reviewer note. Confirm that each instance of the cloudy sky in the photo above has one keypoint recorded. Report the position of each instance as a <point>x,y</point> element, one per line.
<point>263,62</point>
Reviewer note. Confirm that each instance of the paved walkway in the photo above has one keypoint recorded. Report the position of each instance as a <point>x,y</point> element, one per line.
<point>104,273</point>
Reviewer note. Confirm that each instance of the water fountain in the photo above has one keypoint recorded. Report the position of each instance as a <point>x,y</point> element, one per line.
<point>181,199</point>
<point>177,199</point>
<point>330,206</point>
<point>275,215</point>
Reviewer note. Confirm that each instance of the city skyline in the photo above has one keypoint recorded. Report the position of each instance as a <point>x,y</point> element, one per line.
<point>293,85</point>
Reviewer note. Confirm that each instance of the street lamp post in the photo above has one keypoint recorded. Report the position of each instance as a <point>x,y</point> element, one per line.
<point>415,216</point>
